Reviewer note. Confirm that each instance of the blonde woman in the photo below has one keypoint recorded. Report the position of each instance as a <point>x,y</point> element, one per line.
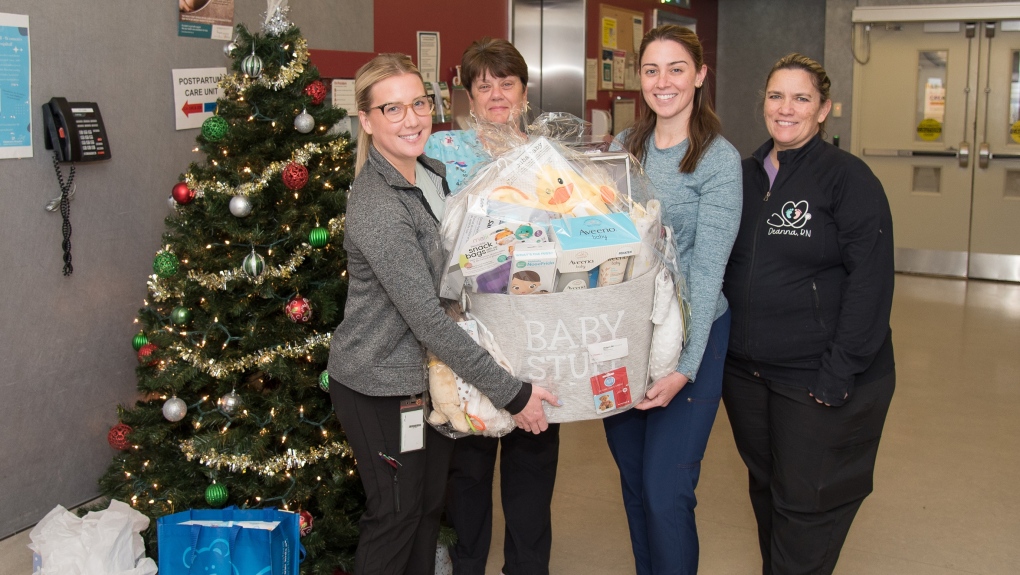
<point>377,362</point>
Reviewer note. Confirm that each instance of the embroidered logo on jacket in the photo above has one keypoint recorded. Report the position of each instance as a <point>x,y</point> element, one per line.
<point>790,220</point>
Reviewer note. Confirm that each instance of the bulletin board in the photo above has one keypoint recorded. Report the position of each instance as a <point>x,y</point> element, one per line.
<point>620,32</point>
<point>624,26</point>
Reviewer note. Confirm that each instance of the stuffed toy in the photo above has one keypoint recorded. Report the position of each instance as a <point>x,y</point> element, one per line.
<point>561,190</point>
<point>461,404</point>
<point>667,334</point>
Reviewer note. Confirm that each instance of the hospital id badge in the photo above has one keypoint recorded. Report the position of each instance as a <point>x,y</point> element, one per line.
<point>412,425</point>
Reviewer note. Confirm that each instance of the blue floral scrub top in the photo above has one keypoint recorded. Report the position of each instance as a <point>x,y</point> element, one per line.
<point>460,150</point>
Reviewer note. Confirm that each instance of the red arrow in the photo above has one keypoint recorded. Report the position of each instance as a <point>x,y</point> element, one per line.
<point>190,109</point>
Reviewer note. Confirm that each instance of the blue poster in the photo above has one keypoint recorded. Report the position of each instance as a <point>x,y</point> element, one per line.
<point>15,87</point>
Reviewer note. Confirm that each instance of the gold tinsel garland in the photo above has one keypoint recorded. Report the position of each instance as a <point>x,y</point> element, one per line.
<point>271,466</point>
<point>218,369</point>
<point>300,156</point>
<point>241,82</point>
<point>161,289</point>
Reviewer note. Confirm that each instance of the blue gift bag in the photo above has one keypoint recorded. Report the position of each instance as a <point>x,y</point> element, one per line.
<point>224,542</point>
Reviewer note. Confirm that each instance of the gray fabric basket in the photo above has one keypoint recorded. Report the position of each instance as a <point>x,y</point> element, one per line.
<point>538,332</point>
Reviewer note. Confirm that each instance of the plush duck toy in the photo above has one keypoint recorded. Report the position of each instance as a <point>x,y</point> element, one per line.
<point>561,189</point>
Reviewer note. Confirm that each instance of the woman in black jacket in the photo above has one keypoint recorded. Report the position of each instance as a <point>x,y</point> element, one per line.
<point>810,372</point>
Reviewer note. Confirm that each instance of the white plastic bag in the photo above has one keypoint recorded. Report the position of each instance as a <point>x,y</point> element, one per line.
<point>106,542</point>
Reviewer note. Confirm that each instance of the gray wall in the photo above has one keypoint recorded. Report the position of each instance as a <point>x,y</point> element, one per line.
<point>752,36</point>
<point>65,343</point>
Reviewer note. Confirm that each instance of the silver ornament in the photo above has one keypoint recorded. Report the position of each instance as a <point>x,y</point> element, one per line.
<point>230,403</point>
<point>228,50</point>
<point>170,201</point>
<point>252,65</point>
<point>304,122</point>
<point>240,206</point>
<point>175,409</point>
<point>254,264</point>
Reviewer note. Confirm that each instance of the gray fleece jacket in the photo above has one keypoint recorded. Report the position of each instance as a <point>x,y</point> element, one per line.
<point>392,315</point>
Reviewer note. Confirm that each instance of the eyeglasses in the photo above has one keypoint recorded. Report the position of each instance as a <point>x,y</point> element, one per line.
<point>395,111</point>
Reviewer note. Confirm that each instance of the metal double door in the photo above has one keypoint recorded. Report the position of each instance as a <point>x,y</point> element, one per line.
<point>937,118</point>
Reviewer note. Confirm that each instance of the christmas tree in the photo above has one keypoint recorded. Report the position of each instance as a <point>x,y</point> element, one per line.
<point>247,288</point>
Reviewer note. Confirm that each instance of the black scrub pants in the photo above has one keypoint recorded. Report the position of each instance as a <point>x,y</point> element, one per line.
<point>400,525</point>
<point>809,466</point>
<point>527,468</point>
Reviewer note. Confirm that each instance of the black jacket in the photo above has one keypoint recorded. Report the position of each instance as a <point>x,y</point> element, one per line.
<point>810,278</point>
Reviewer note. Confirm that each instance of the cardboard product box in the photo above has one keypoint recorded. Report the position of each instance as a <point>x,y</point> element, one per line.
<point>585,242</point>
<point>533,270</point>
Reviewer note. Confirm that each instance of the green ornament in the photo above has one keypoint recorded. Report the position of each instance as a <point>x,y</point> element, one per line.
<point>139,340</point>
<point>181,315</point>
<point>216,495</point>
<point>253,264</point>
<point>214,128</point>
<point>165,264</point>
<point>324,381</point>
<point>318,237</point>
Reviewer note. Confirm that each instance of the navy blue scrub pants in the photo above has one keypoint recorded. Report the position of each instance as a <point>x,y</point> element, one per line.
<point>659,453</point>
<point>400,526</point>
<point>527,469</point>
<point>809,466</point>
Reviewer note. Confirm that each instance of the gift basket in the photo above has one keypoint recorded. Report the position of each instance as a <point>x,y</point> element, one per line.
<point>564,270</point>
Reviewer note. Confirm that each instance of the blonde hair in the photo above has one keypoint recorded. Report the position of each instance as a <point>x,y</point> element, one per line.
<point>376,70</point>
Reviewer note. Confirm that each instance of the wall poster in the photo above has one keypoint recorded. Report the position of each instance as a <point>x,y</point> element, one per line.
<point>206,19</point>
<point>15,87</point>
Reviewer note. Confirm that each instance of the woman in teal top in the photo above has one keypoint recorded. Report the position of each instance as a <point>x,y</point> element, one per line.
<point>496,78</point>
<point>659,444</point>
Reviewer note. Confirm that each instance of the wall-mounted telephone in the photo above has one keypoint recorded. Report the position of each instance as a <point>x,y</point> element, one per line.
<point>75,131</point>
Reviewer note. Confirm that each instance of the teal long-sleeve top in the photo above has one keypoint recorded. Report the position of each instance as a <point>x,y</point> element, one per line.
<point>703,208</point>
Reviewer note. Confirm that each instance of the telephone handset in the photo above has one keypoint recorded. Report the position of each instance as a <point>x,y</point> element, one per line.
<point>75,131</point>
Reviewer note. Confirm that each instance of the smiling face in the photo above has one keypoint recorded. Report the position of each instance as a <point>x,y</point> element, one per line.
<point>669,78</point>
<point>399,142</point>
<point>793,108</point>
<point>496,100</point>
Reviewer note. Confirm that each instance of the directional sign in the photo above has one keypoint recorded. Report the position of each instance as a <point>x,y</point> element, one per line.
<point>195,93</point>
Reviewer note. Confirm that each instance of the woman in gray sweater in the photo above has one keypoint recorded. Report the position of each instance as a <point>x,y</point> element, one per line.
<point>659,444</point>
<point>377,362</point>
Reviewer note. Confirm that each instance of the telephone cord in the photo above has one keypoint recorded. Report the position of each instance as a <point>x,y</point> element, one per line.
<point>65,212</point>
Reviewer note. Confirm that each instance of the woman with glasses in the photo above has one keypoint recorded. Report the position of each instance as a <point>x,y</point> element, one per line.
<point>377,362</point>
<point>495,76</point>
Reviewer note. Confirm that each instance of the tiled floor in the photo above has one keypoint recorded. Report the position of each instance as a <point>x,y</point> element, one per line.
<point>945,501</point>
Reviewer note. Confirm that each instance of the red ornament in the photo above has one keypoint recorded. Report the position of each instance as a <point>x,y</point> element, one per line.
<point>118,436</point>
<point>299,310</point>
<point>317,91</point>
<point>145,353</point>
<point>295,176</point>
<point>305,520</point>
<point>182,193</point>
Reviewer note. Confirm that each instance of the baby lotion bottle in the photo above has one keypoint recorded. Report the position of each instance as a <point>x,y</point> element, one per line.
<point>612,270</point>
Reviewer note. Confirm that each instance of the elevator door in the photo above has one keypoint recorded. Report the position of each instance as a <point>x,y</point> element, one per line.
<point>937,117</point>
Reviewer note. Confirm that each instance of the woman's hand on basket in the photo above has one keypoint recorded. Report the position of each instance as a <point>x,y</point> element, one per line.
<point>663,391</point>
<point>532,417</point>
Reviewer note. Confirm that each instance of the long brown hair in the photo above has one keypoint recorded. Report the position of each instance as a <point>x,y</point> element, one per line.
<point>376,70</point>
<point>819,78</point>
<point>704,123</point>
